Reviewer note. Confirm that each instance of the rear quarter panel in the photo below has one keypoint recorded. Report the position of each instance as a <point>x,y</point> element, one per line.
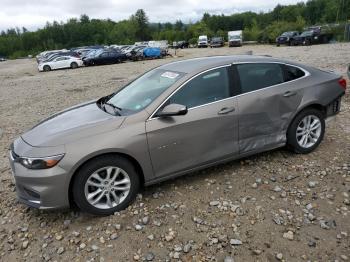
<point>319,88</point>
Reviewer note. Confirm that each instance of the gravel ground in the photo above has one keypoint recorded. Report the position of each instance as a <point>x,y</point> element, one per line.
<point>276,206</point>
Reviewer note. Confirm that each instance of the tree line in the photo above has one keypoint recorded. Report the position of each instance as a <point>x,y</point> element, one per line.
<point>262,27</point>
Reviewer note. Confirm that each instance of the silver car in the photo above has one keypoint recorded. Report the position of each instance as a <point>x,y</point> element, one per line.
<point>172,120</point>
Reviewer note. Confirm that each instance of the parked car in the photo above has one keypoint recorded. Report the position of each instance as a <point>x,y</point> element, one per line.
<point>305,38</point>
<point>45,54</point>
<point>92,53</point>
<point>136,53</point>
<point>131,51</point>
<point>181,44</point>
<point>217,42</point>
<point>53,56</point>
<point>313,35</point>
<point>2,59</point>
<point>287,38</point>
<point>202,41</point>
<point>60,63</point>
<point>105,57</point>
<point>172,120</point>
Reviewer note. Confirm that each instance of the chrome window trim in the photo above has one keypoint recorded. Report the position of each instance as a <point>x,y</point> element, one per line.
<point>183,84</point>
<point>307,74</point>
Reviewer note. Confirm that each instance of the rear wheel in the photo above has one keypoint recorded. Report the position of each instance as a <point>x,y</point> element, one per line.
<point>73,65</point>
<point>306,131</point>
<point>105,185</point>
<point>47,68</point>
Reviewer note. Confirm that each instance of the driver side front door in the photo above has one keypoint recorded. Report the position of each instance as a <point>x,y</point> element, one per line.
<point>206,134</point>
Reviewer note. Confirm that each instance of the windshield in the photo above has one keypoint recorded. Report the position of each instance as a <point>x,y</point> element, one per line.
<point>202,38</point>
<point>235,37</point>
<point>307,33</point>
<point>287,34</point>
<point>144,90</point>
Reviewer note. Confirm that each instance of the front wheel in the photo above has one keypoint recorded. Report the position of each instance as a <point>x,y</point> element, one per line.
<point>105,185</point>
<point>306,131</point>
<point>74,65</point>
<point>47,68</point>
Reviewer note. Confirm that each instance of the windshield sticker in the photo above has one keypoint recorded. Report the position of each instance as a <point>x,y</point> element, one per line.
<point>170,75</point>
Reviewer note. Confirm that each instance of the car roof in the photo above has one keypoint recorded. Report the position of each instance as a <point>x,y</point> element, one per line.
<point>198,64</point>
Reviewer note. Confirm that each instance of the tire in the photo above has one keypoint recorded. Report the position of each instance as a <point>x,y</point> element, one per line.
<point>80,187</point>
<point>47,68</point>
<point>294,140</point>
<point>73,65</point>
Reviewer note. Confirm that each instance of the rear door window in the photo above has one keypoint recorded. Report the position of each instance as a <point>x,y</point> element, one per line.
<point>256,76</point>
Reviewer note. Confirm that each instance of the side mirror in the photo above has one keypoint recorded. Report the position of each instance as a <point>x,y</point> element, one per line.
<point>173,110</point>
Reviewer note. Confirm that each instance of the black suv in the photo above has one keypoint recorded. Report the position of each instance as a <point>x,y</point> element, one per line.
<point>287,38</point>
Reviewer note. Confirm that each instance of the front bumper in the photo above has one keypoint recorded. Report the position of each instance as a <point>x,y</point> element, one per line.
<point>282,41</point>
<point>202,44</point>
<point>234,43</point>
<point>216,44</point>
<point>44,188</point>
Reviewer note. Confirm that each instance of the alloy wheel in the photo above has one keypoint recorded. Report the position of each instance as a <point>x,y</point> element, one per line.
<point>107,187</point>
<point>308,131</point>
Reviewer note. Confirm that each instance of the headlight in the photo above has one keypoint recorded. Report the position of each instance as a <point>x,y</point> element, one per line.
<point>287,38</point>
<point>40,162</point>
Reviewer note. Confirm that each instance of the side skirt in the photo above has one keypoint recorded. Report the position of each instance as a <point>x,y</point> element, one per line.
<point>191,170</point>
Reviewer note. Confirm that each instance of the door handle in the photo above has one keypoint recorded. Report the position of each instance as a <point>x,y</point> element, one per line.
<point>226,110</point>
<point>289,94</point>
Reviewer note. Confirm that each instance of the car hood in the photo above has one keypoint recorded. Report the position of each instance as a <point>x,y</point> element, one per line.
<point>72,124</point>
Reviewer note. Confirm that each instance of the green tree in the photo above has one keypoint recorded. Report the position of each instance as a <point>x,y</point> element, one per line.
<point>141,20</point>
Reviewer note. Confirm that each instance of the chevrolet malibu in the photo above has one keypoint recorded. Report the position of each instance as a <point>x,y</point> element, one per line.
<point>172,120</point>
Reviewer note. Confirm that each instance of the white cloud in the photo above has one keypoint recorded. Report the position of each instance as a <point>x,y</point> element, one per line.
<point>33,14</point>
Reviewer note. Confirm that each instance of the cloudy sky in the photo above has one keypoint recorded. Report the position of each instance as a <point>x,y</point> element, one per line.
<point>33,14</point>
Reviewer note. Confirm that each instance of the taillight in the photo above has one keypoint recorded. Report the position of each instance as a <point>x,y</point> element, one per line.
<point>342,83</point>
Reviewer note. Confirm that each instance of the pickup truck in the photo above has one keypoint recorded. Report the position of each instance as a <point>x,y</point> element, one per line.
<point>313,35</point>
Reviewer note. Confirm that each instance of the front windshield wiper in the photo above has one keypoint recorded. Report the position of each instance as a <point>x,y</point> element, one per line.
<point>116,109</point>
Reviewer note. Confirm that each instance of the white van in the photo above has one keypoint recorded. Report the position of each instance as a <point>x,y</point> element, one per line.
<point>235,38</point>
<point>202,41</point>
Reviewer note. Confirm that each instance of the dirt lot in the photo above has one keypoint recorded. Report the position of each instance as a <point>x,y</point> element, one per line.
<point>270,207</point>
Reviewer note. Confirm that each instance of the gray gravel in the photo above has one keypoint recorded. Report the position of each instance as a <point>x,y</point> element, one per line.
<point>273,206</point>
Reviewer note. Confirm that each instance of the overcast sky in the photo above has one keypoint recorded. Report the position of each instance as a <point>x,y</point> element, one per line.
<point>33,14</point>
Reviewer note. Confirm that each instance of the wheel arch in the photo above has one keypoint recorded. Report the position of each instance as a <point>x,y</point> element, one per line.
<point>312,105</point>
<point>134,162</point>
